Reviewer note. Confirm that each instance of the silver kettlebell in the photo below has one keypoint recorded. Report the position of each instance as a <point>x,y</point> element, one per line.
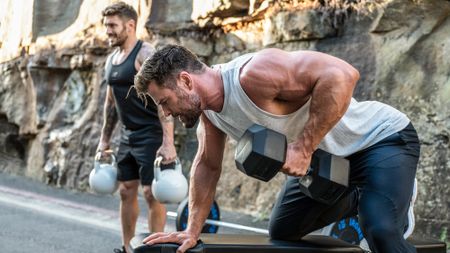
<point>103,177</point>
<point>169,185</point>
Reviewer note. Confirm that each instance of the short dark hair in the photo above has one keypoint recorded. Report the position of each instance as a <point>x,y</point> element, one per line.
<point>163,67</point>
<point>122,10</point>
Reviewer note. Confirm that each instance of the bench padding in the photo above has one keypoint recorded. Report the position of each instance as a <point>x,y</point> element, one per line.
<point>224,243</point>
<point>215,243</point>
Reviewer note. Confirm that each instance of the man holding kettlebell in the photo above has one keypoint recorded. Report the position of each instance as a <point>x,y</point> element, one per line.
<point>145,132</point>
<point>306,96</point>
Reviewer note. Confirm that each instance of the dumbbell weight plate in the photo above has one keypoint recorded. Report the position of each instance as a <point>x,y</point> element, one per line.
<point>183,214</point>
<point>260,152</point>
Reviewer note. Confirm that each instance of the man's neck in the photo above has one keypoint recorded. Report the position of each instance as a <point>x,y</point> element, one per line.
<point>211,89</point>
<point>128,45</point>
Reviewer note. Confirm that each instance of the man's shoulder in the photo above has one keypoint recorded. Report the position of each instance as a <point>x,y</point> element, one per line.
<point>145,51</point>
<point>273,54</point>
<point>147,47</point>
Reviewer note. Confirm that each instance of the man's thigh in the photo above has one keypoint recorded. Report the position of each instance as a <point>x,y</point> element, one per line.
<point>145,157</point>
<point>388,168</point>
<point>127,167</point>
<point>295,214</point>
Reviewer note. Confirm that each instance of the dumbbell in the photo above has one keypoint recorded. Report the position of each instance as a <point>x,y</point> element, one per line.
<point>261,152</point>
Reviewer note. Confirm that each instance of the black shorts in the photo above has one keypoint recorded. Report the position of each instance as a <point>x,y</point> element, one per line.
<point>136,161</point>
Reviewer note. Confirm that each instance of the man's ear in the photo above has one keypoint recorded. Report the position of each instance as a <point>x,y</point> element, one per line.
<point>131,25</point>
<point>186,80</point>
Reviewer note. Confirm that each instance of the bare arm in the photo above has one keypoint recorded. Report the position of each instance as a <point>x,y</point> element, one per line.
<point>110,119</point>
<point>331,93</point>
<point>205,174</point>
<point>281,82</point>
<point>331,83</point>
<point>167,149</point>
<point>145,51</point>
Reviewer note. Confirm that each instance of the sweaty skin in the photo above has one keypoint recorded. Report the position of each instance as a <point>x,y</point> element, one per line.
<point>278,82</point>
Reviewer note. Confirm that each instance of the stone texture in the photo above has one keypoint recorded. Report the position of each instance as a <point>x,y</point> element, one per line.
<point>18,96</point>
<point>50,16</point>
<point>200,48</point>
<point>12,148</point>
<point>219,8</point>
<point>293,26</point>
<point>16,28</point>
<point>169,16</point>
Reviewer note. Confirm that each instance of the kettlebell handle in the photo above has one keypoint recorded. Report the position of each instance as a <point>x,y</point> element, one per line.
<point>113,160</point>
<point>97,162</point>
<point>157,166</point>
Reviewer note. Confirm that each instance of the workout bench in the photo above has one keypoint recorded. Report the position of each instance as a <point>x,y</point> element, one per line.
<point>227,243</point>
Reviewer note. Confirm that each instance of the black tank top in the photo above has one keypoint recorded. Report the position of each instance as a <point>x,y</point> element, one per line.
<point>138,120</point>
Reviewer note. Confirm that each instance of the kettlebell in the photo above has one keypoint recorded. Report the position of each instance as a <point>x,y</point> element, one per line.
<point>169,185</point>
<point>103,178</point>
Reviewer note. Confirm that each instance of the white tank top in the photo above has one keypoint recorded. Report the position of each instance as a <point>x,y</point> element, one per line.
<point>363,124</point>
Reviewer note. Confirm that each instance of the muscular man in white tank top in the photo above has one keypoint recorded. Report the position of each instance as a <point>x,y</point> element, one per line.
<point>307,96</point>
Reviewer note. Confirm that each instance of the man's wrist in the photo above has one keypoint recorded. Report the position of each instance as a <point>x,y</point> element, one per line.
<point>168,142</point>
<point>102,147</point>
<point>193,232</point>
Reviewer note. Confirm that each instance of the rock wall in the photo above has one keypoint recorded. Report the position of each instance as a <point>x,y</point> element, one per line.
<point>51,92</point>
<point>51,87</point>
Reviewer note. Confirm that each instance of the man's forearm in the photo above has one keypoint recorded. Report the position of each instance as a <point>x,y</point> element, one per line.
<point>205,174</point>
<point>201,195</point>
<point>110,119</point>
<point>167,125</point>
<point>329,102</point>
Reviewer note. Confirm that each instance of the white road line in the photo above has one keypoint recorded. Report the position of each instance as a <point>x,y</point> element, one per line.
<point>75,212</point>
<point>64,213</point>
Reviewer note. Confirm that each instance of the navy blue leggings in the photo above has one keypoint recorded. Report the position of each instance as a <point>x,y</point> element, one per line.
<point>381,186</point>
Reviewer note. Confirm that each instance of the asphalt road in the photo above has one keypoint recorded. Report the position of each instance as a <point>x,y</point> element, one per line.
<point>35,217</point>
<point>24,230</point>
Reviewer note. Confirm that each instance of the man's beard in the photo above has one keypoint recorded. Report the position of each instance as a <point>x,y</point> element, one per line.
<point>119,39</point>
<point>190,115</point>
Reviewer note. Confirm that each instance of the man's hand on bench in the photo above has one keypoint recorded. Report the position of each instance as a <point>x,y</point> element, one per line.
<point>184,239</point>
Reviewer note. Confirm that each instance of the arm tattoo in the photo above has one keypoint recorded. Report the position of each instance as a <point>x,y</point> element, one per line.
<point>110,119</point>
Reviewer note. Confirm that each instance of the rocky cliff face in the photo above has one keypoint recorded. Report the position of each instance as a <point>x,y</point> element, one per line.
<point>51,92</point>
